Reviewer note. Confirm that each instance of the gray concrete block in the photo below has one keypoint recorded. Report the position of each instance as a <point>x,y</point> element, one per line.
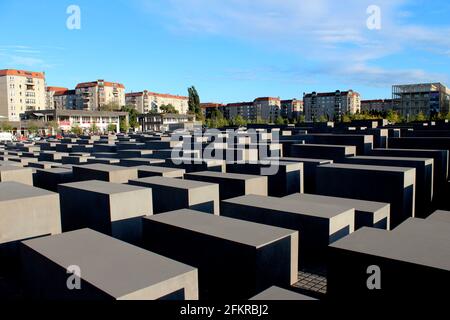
<point>318,224</point>
<point>133,162</point>
<point>75,159</point>
<point>154,171</point>
<point>138,153</point>
<point>235,259</point>
<point>284,177</point>
<point>367,213</point>
<point>109,268</point>
<point>172,194</point>
<point>195,165</point>
<point>279,294</point>
<point>49,179</point>
<point>104,172</point>
<point>411,261</point>
<point>440,215</point>
<point>424,176</point>
<point>309,167</point>
<point>110,208</point>
<point>52,156</point>
<point>17,174</point>
<point>322,151</point>
<point>394,185</point>
<point>232,185</point>
<point>104,161</point>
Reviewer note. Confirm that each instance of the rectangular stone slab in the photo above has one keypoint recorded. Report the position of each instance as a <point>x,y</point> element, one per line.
<point>394,185</point>
<point>322,151</point>
<point>152,171</point>
<point>49,179</point>
<point>367,213</point>
<point>134,162</point>
<point>27,212</point>
<point>109,268</point>
<point>111,208</point>
<point>235,259</point>
<point>195,165</point>
<point>104,172</point>
<point>400,257</point>
<point>17,174</point>
<point>232,185</point>
<point>309,166</point>
<point>173,194</point>
<point>318,224</point>
<point>284,177</point>
<point>275,293</point>
<point>424,176</point>
<point>440,215</point>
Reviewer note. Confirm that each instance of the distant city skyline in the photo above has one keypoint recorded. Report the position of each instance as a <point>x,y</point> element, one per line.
<point>230,50</point>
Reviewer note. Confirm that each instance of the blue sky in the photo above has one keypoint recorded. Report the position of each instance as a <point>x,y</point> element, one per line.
<point>231,50</point>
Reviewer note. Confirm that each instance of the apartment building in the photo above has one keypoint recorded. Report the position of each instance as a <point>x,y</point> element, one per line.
<point>21,91</point>
<point>246,110</point>
<point>267,108</point>
<point>65,100</point>
<point>291,108</point>
<point>147,101</point>
<point>332,105</point>
<point>209,107</point>
<point>95,95</point>
<point>50,93</point>
<point>428,98</point>
<point>377,105</point>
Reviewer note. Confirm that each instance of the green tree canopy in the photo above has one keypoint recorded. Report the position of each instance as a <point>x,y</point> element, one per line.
<point>132,116</point>
<point>194,102</point>
<point>168,109</point>
<point>279,120</point>
<point>110,106</point>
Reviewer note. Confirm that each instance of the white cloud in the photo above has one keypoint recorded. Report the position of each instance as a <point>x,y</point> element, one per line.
<point>325,32</point>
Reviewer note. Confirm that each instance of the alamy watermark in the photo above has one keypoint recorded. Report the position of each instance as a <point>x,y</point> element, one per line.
<point>253,146</point>
<point>373,22</point>
<point>73,22</point>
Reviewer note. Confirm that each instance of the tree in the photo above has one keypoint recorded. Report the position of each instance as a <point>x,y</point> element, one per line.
<point>110,106</point>
<point>194,102</point>
<point>346,118</point>
<point>76,130</point>
<point>6,126</point>
<point>94,128</point>
<point>132,115</point>
<point>322,118</point>
<point>112,127</point>
<point>168,109</point>
<point>124,126</point>
<point>53,126</point>
<point>393,117</point>
<point>239,121</point>
<point>301,118</point>
<point>33,127</point>
<point>421,117</point>
<point>279,120</point>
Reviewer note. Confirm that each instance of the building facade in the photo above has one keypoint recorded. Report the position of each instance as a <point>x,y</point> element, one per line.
<point>428,98</point>
<point>94,95</point>
<point>50,94</point>
<point>209,107</point>
<point>68,119</point>
<point>377,105</point>
<point>65,100</point>
<point>21,91</point>
<point>331,105</point>
<point>291,108</point>
<point>165,122</point>
<point>151,102</point>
